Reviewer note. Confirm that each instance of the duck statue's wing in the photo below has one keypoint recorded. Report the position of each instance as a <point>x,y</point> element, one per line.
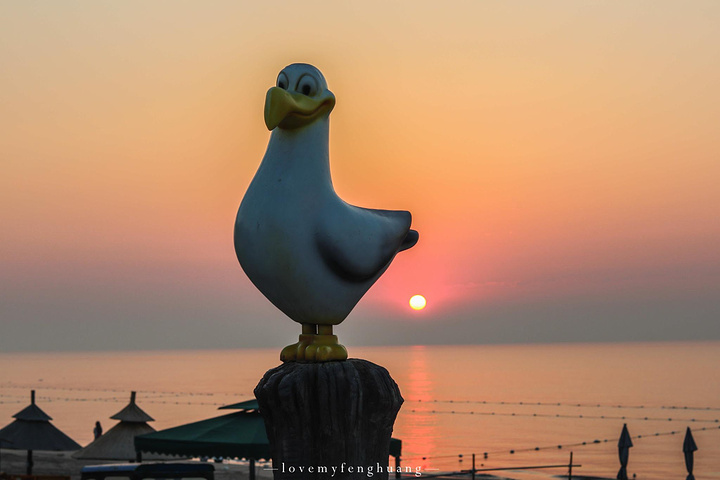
<point>358,243</point>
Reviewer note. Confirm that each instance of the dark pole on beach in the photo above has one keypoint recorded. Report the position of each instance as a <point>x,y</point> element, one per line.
<point>334,414</point>
<point>624,445</point>
<point>252,469</point>
<point>29,462</point>
<point>30,452</point>
<point>1,446</point>
<point>570,467</point>
<point>473,470</point>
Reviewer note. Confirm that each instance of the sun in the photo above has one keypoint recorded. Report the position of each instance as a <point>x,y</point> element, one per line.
<point>417,302</point>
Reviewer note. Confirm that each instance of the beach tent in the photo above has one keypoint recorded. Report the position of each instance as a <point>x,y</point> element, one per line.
<point>237,435</point>
<point>118,442</point>
<point>32,430</point>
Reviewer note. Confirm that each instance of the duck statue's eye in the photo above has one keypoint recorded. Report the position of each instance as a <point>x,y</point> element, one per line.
<point>307,86</point>
<point>282,81</point>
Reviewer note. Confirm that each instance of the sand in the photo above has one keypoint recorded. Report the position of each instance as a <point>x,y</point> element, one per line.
<point>61,463</point>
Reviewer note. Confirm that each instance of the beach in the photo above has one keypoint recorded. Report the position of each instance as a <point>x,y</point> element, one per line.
<point>61,463</point>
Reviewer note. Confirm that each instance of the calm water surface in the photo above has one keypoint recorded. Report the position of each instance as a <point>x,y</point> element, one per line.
<point>528,399</point>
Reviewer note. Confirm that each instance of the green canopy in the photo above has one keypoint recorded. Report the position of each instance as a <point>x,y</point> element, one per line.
<point>246,405</point>
<point>236,435</point>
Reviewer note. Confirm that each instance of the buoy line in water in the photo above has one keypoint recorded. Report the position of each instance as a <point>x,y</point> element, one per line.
<point>486,455</point>
<point>109,400</point>
<point>563,415</point>
<point>149,396</point>
<point>561,404</point>
<point>416,411</point>
<point>109,390</point>
<point>64,399</point>
<point>459,402</point>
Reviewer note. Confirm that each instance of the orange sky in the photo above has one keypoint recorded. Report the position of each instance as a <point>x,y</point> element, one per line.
<point>560,160</point>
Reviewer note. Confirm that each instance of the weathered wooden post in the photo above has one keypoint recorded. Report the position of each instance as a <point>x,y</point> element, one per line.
<point>329,419</point>
<point>314,256</point>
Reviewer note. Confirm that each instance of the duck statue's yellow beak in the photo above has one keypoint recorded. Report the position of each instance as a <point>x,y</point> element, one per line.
<point>294,110</point>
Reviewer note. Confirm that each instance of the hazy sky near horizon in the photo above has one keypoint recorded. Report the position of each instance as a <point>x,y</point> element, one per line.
<point>560,159</point>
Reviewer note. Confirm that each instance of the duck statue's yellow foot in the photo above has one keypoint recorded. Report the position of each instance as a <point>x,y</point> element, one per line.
<point>296,351</point>
<point>314,348</point>
<point>325,348</point>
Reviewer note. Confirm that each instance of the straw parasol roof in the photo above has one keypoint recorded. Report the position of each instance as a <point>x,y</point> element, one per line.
<point>132,413</point>
<point>118,442</point>
<point>32,430</point>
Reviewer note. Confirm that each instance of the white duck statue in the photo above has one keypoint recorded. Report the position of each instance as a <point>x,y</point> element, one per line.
<point>309,252</point>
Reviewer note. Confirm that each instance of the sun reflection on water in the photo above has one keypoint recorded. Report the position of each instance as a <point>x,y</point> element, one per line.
<point>419,431</point>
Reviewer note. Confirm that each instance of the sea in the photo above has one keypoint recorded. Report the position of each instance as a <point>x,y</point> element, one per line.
<point>509,406</point>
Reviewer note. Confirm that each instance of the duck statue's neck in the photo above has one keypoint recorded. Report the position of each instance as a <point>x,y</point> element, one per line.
<point>301,155</point>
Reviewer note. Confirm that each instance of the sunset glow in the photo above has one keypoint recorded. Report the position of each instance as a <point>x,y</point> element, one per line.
<point>552,171</point>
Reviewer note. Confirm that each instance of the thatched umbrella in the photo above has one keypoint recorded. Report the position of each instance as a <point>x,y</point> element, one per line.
<point>32,430</point>
<point>118,442</point>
